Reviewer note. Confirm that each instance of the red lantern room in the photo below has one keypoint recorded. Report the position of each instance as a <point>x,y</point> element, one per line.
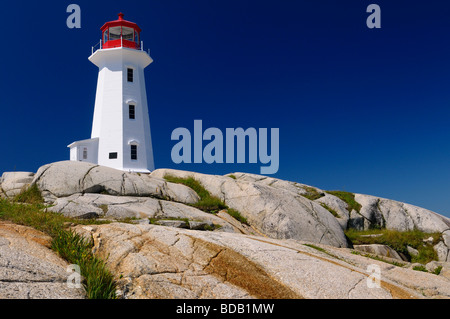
<point>120,33</point>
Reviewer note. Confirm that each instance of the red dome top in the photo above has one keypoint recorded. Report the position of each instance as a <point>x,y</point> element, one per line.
<point>120,33</point>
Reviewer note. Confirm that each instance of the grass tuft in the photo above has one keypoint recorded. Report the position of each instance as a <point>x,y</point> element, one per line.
<point>331,210</point>
<point>399,240</point>
<point>349,198</point>
<point>420,268</point>
<point>234,213</point>
<point>438,270</point>
<point>29,195</point>
<point>312,193</point>
<point>154,221</point>
<point>375,257</point>
<point>316,248</point>
<point>98,281</point>
<point>207,202</point>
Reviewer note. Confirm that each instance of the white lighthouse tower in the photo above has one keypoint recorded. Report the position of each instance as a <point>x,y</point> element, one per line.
<point>120,135</point>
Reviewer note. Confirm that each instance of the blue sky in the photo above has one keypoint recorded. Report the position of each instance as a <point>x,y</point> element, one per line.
<point>359,109</point>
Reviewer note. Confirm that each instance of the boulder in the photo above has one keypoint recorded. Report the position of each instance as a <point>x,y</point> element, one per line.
<point>442,251</point>
<point>446,240</point>
<point>369,213</point>
<point>444,268</point>
<point>274,211</point>
<point>412,251</point>
<point>339,206</point>
<point>12,183</point>
<point>399,216</point>
<point>62,179</point>
<point>29,269</point>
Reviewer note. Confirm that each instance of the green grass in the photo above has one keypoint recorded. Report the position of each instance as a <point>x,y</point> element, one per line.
<point>37,217</point>
<point>189,182</point>
<point>104,208</point>
<point>210,204</point>
<point>212,228</point>
<point>399,241</point>
<point>26,210</point>
<point>234,213</point>
<point>438,270</point>
<point>323,251</point>
<point>154,221</point>
<point>207,202</point>
<point>316,248</point>
<point>232,176</point>
<point>374,257</point>
<point>98,281</point>
<point>349,198</point>
<point>331,210</point>
<point>30,195</point>
<point>420,268</point>
<point>312,193</point>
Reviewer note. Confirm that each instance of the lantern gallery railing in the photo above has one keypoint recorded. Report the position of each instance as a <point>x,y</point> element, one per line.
<point>123,43</point>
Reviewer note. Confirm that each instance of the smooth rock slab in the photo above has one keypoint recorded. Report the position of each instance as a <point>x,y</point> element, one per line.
<point>29,269</point>
<point>160,262</point>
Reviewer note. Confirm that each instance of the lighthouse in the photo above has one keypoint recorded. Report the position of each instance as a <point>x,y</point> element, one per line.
<point>120,136</point>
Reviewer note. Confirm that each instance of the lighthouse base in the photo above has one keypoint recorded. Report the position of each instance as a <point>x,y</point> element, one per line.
<point>88,151</point>
<point>84,151</point>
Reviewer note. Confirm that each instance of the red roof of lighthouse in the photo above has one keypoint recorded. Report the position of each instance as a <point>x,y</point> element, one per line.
<point>121,33</point>
<point>120,22</point>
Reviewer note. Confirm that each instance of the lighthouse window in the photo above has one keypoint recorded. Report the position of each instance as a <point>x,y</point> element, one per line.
<point>114,33</point>
<point>113,155</point>
<point>85,153</point>
<point>130,75</point>
<point>133,152</point>
<point>131,112</point>
<point>127,33</point>
<point>136,38</point>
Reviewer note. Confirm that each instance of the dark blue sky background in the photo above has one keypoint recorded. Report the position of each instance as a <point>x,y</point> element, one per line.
<point>362,110</point>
